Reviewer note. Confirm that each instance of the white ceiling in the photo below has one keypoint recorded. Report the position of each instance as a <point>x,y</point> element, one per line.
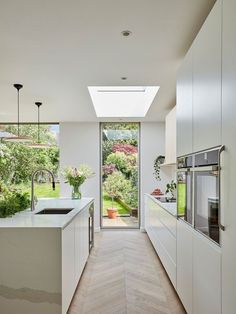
<point>57,48</point>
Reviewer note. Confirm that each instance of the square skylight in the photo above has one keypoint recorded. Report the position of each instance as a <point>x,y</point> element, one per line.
<point>122,101</point>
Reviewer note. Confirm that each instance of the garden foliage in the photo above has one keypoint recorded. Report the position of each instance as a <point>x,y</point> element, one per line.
<point>120,164</point>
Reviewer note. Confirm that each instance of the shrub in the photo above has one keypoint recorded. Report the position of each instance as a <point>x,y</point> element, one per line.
<point>119,160</point>
<point>116,185</point>
<point>127,149</point>
<point>108,169</point>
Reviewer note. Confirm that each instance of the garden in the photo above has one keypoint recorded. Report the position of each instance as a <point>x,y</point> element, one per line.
<point>18,161</point>
<point>120,169</point>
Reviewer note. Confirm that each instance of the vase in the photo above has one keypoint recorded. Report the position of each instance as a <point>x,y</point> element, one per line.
<point>76,194</point>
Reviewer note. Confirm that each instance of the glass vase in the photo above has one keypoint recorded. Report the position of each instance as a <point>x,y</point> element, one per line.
<point>76,194</point>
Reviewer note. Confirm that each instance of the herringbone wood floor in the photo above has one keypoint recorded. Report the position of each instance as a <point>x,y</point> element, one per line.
<point>123,275</point>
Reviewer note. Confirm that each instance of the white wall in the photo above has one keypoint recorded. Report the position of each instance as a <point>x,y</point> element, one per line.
<point>152,144</point>
<point>79,144</point>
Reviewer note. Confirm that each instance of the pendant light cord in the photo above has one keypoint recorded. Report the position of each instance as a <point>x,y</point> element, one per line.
<point>38,104</point>
<point>18,112</point>
<point>38,125</point>
<point>18,87</point>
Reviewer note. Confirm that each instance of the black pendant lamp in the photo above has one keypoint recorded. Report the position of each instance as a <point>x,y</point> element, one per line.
<point>18,138</point>
<point>38,144</point>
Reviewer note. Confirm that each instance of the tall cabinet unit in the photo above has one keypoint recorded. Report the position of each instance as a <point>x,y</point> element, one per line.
<point>229,157</point>
<point>206,117</point>
<point>207,83</point>
<point>184,109</point>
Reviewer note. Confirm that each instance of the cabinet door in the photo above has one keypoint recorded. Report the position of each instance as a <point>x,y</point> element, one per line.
<point>206,276</point>
<point>68,265</point>
<point>84,238</point>
<point>207,82</point>
<point>185,265</point>
<point>81,242</point>
<point>229,158</point>
<point>78,247</point>
<point>170,137</point>
<point>184,107</point>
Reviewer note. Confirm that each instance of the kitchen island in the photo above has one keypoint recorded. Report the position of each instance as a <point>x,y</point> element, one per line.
<point>42,256</point>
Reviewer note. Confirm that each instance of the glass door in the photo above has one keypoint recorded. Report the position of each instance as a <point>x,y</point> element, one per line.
<point>184,195</point>
<point>120,175</point>
<point>206,202</point>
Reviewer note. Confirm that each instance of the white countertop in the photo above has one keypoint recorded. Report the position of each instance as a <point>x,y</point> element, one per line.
<point>28,219</point>
<point>169,207</point>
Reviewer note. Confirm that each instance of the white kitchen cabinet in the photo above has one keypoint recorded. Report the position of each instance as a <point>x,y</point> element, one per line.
<point>207,82</point>
<point>81,242</point>
<point>184,108</point>
<point>161,229</point>
<point>228,172</point>
<point>206,276</point>
<point>75,252</point>
<point>170,137</point>
<point>185,265</point>
<point>68,265</point>
<point>84,237</point>
<point>198,271</point>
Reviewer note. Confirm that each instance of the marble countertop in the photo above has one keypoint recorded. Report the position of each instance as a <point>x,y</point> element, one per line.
<point>29,219</point>
<point>171,208</point>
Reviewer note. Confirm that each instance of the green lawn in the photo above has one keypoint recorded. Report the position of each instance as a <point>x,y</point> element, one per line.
<point>181,198</point>
<point>107,204</point>
<point>42,190</point>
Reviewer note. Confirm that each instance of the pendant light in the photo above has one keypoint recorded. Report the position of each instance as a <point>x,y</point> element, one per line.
<point>18,138</point>
<point>39,144</point>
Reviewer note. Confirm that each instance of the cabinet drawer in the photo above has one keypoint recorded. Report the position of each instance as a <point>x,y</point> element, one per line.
<point>168,220</point>
<point>166,260</point>
<point>167,240</point>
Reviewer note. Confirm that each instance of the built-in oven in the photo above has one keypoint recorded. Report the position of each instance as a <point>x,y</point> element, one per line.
<point>198,191</point>
<point>207,193</point>
<point>184,188</point>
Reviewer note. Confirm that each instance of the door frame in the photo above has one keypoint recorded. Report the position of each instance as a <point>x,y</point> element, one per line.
<point>100,173</point>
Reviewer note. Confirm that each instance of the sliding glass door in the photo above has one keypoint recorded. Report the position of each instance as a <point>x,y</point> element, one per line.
<point>120,175</point>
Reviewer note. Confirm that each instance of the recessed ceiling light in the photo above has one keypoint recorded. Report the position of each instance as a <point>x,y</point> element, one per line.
<point>126,33</point>
<point>122,101</point>
<point>124,78</point>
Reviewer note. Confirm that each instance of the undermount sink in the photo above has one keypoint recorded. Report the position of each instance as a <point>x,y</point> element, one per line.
<point>55,211</point>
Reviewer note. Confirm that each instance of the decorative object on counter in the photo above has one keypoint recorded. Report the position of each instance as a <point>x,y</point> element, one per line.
<point>76,177</point>
<point>157,192</point>
<point>12,201</point>
<point>171,188</point>
<point>158,161</point>
<point>114,186</point>
<point>18,138</point>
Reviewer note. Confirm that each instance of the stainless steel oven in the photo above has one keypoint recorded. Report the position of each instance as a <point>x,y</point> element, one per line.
<point>207,193</point>
<point>198,191</point>
<point>184,188</point>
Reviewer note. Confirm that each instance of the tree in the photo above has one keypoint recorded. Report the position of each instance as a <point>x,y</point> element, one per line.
<point>18,161</point>
<point>116,184</point>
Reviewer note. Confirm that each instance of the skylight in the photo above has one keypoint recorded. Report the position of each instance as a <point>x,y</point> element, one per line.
<point>122,101</point>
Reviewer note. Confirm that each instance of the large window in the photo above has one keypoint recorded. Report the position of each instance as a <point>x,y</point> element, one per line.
<point>120,175</point>
<point>19,160</point>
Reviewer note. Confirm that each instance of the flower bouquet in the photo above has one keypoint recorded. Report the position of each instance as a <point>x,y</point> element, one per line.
<point>76,177</point>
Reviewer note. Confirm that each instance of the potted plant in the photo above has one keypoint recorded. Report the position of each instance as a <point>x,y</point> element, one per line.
<point>157,162</point>
<point>76,177</point>
<point>114,186</point>
<point>171,188</point>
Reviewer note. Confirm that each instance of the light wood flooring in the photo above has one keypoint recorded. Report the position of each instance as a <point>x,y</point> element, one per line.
<point>124,275</point>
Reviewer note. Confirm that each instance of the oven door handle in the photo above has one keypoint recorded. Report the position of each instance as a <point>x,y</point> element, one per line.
<point>183,170</point>
<point>206,168</point>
